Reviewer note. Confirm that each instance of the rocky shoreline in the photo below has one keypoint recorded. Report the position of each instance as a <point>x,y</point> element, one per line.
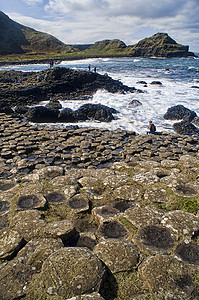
<point>89,213</point>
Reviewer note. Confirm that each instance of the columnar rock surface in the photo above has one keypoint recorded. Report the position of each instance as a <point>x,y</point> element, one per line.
<point>94,214</point>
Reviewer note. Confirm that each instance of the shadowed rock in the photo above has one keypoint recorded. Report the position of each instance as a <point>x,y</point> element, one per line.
<point>179,112</point>
<point>66,115</point>
<point>104,213</point>
<point>53,104</point>
<point>55,197</point>
<point>87,240</point>
<point>31,201</point>
<point>79,203</point>
<point>188,252</point>
<point>4,207</point>
<point>98,112</point>
<point>10,243</point>
<point>178,280</point>
<point>41,114</point>
<point>122,205</point>
<point>113,230</point>
<point>153,239</point>
<point>185,190</point>
<point>185,127</point>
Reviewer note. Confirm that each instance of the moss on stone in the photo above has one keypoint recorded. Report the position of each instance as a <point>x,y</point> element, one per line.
<point>187,204</point>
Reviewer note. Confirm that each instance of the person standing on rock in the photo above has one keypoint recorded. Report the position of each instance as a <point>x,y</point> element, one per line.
<point>89,67</point>
<point>152,128</point>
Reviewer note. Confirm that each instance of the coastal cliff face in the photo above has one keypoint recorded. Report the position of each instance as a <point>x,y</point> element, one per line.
<point>17,39</point>
<point>159,45</point>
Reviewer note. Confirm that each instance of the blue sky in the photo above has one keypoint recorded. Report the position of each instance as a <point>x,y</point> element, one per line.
<point>88,21</point>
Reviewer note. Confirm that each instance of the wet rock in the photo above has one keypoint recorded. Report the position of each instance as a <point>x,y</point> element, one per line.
<point>135,103</point>
<point>181,223</point>
<point>154,239</point>
<point>188,252</point>
<point>139,216</point>
<point>79,203</point>
<point>54,104</point>
<point>95,112</point>
<point>32,201</point>
<point>21,109</point>
<point>10,243</point>
<point>104,214</point>
<point>141,82</point>
<point>178,282</point>
<point>5,108</point>
<point>179,112</point>
<point>55,197</point>
<point>37,250</point>
<point>117,255</point>
<point>69,272</point>
<point>86,225</point>
<point>122,205</point>
<point>113,230</point>
<point>66,115</point>
<point>87,239</point>
<point>41,114</point>
<point>156,83</point>
<point>185,127</point>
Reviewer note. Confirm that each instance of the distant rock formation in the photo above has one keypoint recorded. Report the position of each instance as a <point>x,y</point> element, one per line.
<point>16,39</point>
<point>159,45</point>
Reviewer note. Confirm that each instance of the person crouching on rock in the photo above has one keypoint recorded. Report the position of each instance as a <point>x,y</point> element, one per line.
<point>152,128</point>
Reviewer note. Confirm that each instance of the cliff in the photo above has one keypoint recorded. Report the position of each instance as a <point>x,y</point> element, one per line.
<point>16,38</point>
<point>159,45</point>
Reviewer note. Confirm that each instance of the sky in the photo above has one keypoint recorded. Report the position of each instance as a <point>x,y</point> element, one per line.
<point>88,21</point>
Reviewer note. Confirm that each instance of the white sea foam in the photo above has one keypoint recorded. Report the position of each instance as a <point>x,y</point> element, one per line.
<point>177,78</point>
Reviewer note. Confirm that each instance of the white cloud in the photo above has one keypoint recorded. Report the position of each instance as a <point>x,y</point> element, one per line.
<point>87,21</point>
<point>33,2</point>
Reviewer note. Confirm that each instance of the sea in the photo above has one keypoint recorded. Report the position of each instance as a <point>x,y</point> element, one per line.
<point>180,85</point>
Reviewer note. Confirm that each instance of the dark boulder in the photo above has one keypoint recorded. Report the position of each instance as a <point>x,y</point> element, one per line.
<point>185,127</point>
<point>135,103</point>
<point>179,112</point>
<point>5,108</point>
<point>66,115</point>
<point>54,104</point>
<point>42,114</point>
<point>98,112</point>
<point>156,83</point>
<point>21,109</point>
